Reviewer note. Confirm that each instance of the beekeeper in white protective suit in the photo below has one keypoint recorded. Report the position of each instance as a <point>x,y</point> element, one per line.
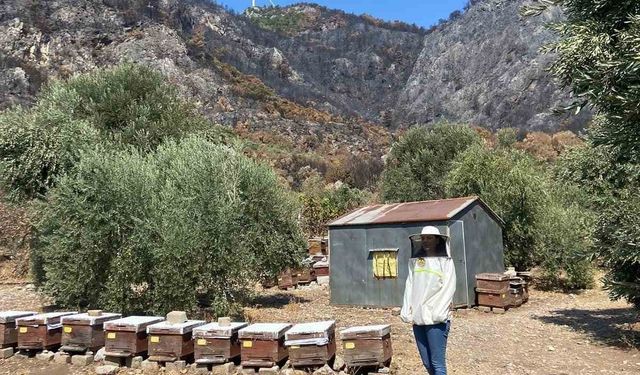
<point>428,296</point>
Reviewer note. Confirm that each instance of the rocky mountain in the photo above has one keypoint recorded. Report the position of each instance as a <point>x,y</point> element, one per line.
<point>305,77</point>
<point>486,68</point>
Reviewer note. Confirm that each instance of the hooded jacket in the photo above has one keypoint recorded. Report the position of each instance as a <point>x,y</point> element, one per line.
<point>429,290</point>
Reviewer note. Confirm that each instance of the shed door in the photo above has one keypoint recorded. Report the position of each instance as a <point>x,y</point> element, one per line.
<point>458,253</point>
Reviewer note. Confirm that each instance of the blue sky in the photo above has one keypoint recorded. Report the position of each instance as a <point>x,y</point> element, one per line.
<point>421,12</point>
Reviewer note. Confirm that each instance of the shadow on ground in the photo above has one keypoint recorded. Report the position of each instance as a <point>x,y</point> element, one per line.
<point>277,301</point>
<point>609,326</point>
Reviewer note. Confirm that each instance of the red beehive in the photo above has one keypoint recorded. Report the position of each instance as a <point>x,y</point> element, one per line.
<point>311,344</point>
<point>215,343</point>
<point>321,268</point>
<point>367,346</point>
<point>263,344</point>
<point>82,332</point>
<point>8,330</point>
<point>169,342</point>
<point>42,331</point>
<point>127,337</point>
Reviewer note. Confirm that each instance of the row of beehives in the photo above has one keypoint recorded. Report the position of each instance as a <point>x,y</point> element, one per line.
<point>314,268</point>
<point>501,291</point>
<point>176,338</point>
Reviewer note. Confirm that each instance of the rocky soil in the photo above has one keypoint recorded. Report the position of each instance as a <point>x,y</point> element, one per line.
<point>554,333</point>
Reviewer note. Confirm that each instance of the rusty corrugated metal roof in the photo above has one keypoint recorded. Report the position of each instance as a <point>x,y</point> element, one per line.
<point>436,210</point>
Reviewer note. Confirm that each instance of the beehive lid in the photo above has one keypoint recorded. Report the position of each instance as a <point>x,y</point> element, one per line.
<point>87,319</point>
<point>269,331</point>
<point>11,316</point>
<point>492,276</point>
<point>321,264</point>
<point>320,331</point>
<point>177,328</point>
<point>216,330</point>
<point>132,323</point>
<point>366,331</point>
<point>44,318</point>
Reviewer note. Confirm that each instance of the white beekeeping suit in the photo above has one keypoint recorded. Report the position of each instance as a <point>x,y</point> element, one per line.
<point>430,286</point>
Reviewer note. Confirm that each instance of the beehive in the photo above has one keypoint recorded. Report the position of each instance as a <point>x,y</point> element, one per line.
<point>8,330</point>
<point>496,282</point>
<point>311,344</point>
<point>367,346</point>
<point>263,344</point>
<point>287,279</point>
<point>321,268</point>
<point>41,331</point>
<point>127,337</point>
<point>169,342</point>
<point>216,343</point>
<point>82,332</point>
<point>306,274</point>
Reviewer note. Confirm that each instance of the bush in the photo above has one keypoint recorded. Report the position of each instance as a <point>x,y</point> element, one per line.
<point>191,224</point>
<point>566,234</point>
<point>322,203</point>
<point>544,222</point>
<point>418,163</point>
<point>509,183</point>
<point>127,105</point>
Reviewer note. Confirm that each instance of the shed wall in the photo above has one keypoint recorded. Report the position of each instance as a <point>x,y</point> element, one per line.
<point>483,244</point>
<point>352,281</point>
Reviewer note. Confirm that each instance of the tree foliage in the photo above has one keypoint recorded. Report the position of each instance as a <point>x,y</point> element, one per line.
<point>597,56</point>
<point>511,185</point>
<point>127,105</point>
<point>188,225</point>
<point>322,203</point>
<point>418,163</point>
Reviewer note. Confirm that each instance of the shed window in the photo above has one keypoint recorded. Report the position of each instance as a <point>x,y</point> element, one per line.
<point>385,263</point>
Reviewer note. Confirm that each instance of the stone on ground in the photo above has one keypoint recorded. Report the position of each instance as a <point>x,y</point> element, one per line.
<point>61,358</point>
<point>82,360</point>
<point>324,370</point>
<point>107,370</point>
<point>6,353</point>
<point>149,365</point>
<point>226,369</point>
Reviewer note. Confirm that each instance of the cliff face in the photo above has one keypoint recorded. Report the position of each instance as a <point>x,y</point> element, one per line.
<point>486,68</point>
<point>315,76</point>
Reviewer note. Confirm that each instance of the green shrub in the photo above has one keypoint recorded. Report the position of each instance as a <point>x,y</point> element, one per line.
<point>126,105</point>
<point>191,224</point>
<point>418,163</point>
<point>509,183</point>
<point>322,203</point>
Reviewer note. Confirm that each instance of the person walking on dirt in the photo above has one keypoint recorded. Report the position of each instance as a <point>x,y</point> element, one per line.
<point>428,297</point>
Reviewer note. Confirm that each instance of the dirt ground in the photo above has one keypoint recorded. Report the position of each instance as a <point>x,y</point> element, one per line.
<point>554,333</point>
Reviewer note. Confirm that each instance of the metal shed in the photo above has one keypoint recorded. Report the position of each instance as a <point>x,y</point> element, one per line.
<point>354,239</point>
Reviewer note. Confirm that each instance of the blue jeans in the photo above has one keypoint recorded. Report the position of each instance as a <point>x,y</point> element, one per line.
<point>432,345</point>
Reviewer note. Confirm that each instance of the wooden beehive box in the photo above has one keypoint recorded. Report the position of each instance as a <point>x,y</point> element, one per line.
<point>82,332</point>
<point>287,279</point>
<point>367,346</point>
<point>496,282</point>
<point>8,330</point>
<point>127,337</point>
<point>492,298</point>
<point>311,344</point>
<point>217,344</point>
<point>171,342</point>
<point>321,268</point>
<point>41,331</point>
<point>306,274</point>
<point>263,344</point>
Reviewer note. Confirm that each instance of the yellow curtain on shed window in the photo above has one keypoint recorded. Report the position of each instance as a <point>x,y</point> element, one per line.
<point>385,264</point>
